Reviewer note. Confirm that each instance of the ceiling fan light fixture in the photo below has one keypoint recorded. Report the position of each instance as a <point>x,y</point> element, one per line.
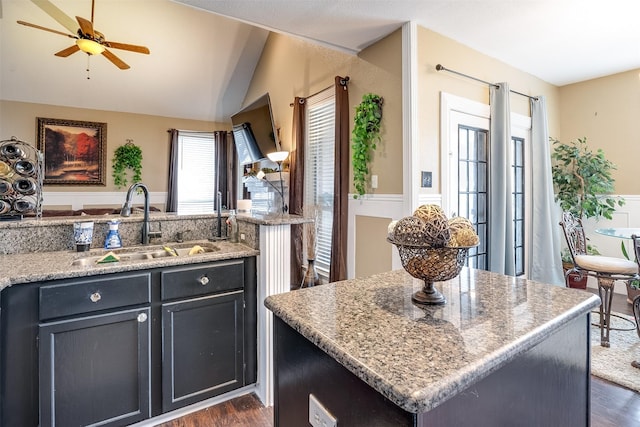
<point>90,47</point>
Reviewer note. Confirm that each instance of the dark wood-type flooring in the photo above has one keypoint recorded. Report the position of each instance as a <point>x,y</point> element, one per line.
<point>611,405</point>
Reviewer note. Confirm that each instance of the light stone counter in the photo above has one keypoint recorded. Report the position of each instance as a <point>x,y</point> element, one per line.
<point>39,266</point>
<point>420,357</point>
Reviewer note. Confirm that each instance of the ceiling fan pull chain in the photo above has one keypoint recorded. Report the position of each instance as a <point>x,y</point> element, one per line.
<point>88,67</point>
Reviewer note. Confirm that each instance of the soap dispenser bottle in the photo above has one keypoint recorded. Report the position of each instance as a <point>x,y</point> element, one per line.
<point>232,224</point>
<point>113,239</point>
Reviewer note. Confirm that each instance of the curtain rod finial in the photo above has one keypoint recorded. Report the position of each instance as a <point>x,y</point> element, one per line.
<point>439,67</point>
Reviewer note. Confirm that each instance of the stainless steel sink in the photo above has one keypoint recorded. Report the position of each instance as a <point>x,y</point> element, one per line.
<point>183,251</point>
<point>147,253</point>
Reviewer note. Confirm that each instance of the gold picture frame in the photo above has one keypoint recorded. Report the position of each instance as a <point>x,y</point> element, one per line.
<point>74,151</point>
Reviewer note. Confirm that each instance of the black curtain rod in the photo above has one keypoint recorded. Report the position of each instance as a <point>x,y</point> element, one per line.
<point>343,82</point>
<point>303,99</point>
<point>441,67</point>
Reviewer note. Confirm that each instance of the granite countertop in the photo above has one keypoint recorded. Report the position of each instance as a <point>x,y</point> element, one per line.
<point>420,357</point>
<point>40,266</point>
<point>255,218</point>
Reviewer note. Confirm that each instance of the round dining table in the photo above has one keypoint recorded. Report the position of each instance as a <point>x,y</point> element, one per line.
<point>621,232</point>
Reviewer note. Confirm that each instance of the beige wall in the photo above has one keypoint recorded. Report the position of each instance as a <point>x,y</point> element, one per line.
<point>291,67</point>
<point>434,49</point>
<point>605,111</point>
<point>149,132</point>
<point>373,251</point>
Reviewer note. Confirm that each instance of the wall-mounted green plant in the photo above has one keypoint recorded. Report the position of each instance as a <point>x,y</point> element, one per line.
<point>127,156</point>
<point>364,137</point>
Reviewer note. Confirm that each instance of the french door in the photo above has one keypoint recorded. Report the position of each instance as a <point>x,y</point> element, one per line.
<point>466,188</point>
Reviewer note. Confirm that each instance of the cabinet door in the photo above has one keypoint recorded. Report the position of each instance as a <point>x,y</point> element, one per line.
<point>202,340</point>
<point>95,370</point>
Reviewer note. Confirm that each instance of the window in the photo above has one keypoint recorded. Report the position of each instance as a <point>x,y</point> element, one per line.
<point>518,185</point>
<point>472,188</point>
<point>466,156</point>
<point>196,173</point>
<point>319,170</point>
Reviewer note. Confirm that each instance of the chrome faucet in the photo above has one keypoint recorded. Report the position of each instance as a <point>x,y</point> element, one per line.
<point>126,208</point>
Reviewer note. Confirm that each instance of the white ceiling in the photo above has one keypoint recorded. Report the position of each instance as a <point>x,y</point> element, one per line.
<point>200,62</point>
<point>199,67</point>
<point>559,41</point>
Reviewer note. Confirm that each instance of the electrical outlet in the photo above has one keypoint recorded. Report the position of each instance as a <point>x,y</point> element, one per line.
<point>242,237</point>
<point>319,416</point>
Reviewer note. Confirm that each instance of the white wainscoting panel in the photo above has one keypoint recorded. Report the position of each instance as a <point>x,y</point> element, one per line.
<point>80,199</point>
<point>274,277</point>
<point>379,206</point>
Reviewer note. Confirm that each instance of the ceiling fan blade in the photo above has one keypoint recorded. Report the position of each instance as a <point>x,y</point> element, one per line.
<point>46,29</point>
<point>86,26</point>
<point>116,61</point>
<point>51,10</point>
<point>125,46</point>
<point>68,51</point>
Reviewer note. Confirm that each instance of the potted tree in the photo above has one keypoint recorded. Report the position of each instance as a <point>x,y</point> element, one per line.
<point>583,182</point>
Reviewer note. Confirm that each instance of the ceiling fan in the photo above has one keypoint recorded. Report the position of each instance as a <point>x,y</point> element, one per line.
<point>88,40</point>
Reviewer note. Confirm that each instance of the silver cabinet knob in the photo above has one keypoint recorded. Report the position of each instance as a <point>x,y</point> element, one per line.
<point>95,297</point>
<point>203,280</point>
<point>142,317</point>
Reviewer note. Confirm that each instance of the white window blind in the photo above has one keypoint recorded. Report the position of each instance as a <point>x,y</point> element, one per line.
<point>319,169</point>
<point>196,173</point>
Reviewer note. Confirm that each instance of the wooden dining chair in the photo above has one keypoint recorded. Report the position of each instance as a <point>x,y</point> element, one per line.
<point>606,270</point>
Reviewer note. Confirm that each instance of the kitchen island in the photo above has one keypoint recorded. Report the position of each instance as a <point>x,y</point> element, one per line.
<point>502,351</point>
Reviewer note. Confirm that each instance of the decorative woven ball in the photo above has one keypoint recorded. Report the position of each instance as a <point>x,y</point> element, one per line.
<point>437,225</point>
<point>410,230</point>
<point>429,212</point>
<point>462,232</point>
<point>390,230</point>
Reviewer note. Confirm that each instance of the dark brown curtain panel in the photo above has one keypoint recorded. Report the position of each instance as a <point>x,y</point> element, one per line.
<point>172,187</point>
<point>225,169</point>
<point>232,171</point>
<point>296,189</point>
<point>338,270</point>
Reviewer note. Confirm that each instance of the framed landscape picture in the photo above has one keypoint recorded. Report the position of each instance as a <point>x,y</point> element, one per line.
<point>74,151</point>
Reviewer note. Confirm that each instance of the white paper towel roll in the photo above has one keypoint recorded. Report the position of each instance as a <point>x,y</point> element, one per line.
<point>244,205</point>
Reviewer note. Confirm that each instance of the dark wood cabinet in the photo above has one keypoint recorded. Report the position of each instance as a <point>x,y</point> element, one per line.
<point>95,370</point>
<point>203,350</point>
<point>202,332</point>
<point>120,348</point>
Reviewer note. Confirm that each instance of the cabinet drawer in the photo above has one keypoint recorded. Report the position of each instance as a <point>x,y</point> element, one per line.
<point>94,294</point>
<point>194,281</point>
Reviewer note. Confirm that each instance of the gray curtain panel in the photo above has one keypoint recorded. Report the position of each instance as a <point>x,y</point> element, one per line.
<point>545,244</point>
<point>501,239</point>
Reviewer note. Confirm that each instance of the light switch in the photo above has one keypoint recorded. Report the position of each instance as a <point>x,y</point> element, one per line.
<point>426,179</point>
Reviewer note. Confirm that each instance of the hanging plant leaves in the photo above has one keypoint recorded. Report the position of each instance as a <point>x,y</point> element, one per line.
<point>364,137</point>
<point>127,157</point>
